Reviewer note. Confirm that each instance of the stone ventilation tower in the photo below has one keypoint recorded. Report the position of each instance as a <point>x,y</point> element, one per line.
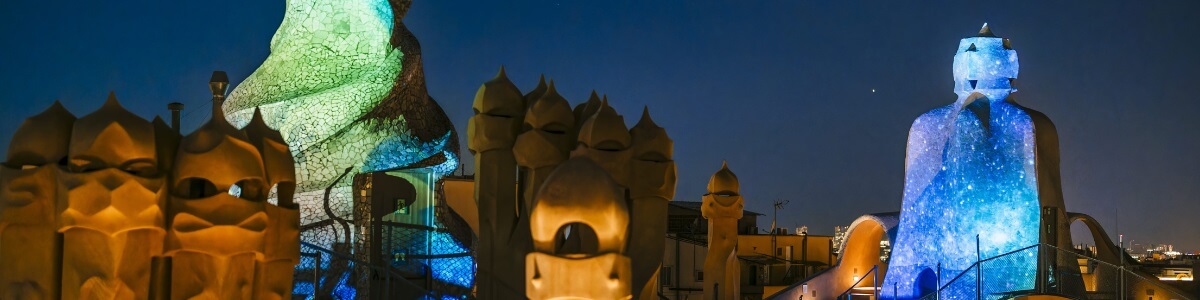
<point>541,147</point>
<point>491,133</point>
<point>210,203</point>
<point>112,213</point>
<point>28,209</point>
<point>723,207</point>
<point>281,251</point>
<point>111,206</point>
<point>651,186</point>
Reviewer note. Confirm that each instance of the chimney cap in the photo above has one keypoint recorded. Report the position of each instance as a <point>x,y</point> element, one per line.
<point>175,106</point>
<point>218,83</point>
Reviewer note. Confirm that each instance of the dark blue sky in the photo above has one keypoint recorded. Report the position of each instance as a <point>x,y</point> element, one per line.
<point>780,89</point>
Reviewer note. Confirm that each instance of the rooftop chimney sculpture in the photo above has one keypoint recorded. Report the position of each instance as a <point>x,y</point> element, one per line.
<point>558,192</point>
<point>142,213</point>
<point>723,207</point>
<point>981,180</point>
<point>344,85</point>
<point>29,206</point>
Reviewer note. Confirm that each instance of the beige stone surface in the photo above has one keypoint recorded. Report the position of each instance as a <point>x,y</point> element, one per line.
<point>96,225</point>
<point>281,245</point>
<point>28,193</point>
<point>722,206</point>
<point>212,203</point>
<point>545,144</point>
<point>532,154</point>
<point>111,213</point>
<point>579,192</point>
<point>491,133</point>
<point>651,186</point>
<point>556,277</point>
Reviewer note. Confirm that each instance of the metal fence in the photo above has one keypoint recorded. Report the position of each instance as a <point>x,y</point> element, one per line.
<point>1063,272</point>
<point>860,289</point>
<point>328,274</point>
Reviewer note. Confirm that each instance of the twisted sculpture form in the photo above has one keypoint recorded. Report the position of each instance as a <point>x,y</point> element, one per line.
<point>345,87</point>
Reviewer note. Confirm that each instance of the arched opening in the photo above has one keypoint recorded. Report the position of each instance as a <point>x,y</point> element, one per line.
<point>1082,240</point>
<point>1097,259</point>
<point>861,254</point>
<point>863,249</point>
<point>926,283</point>
<point>1105,250</point>
<point>576,238</point>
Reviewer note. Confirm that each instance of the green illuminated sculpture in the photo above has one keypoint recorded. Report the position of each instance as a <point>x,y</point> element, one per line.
<point>345,87</point>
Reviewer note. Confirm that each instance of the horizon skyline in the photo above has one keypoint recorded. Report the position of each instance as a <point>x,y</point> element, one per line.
<point>832,148</point>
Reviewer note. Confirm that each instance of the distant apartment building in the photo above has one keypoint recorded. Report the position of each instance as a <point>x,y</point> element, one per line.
<point>769,262</point>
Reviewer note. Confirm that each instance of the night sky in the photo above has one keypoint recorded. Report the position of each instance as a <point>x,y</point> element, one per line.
<point>809,101</point>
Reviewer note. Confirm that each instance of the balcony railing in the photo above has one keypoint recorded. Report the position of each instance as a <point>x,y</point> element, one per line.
<point>1059,272</point>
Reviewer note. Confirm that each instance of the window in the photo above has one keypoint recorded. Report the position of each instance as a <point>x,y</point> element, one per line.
<point>699,275</point>
<point>754,275</point>
<point>403,209</point>
<point>664,276</point>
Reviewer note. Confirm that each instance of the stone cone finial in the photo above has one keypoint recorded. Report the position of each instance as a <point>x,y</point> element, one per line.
<point>499,97</point>
<point>537,91</point>
<point>548,91</point>
<point>585,110</point>
<point>985,31</point>
<point>551,112</point>
<point>110,130</point>
<point>112,102</point>
<point>43,137</point>
<point>645,121</point>
<point>55,113</point>
<point>724,181</point>
<point>113,110</point>
<point>650,141</point>
<point>56,108</point>
<point>605,130</point>
<point>258,129</point>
